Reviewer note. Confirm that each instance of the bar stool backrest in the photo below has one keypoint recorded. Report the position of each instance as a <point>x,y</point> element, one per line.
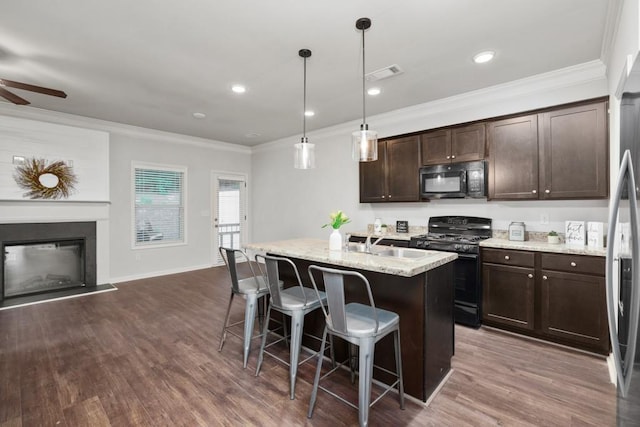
<point>231,257</point>
<point>272,276</point>
<point>335,313</point>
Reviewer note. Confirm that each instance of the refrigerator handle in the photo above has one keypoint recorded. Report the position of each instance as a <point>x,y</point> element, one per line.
<point>624,370</point>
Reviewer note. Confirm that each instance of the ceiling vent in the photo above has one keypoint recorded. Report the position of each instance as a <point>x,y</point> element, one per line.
<point>383,73</point>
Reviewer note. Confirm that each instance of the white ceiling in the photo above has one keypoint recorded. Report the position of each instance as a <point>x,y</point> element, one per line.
<point>153,63</point>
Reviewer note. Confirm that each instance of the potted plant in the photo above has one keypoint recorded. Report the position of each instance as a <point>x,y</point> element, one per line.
<point>338,219</point>
<point>552,237</point>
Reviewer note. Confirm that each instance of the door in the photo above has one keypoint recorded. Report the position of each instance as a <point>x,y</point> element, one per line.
<point>229,211</point>
<point>436,147</point>
<point>403,167</point>
<point>373,181</point>
<point>467,143</point>
<point>508,295</point>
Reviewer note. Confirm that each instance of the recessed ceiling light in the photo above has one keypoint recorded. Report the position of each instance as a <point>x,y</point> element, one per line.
<point>309,113</point>
<point>199,115</point>
<point>483,57</point>
<point>374,91</point>
<point>238,89</point>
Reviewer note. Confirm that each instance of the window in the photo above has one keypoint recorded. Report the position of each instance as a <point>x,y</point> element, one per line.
<point>159,208</point>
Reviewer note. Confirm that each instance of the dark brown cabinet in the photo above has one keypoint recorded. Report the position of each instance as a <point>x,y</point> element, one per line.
<point>556,297</point>
<point>574,152</point>
<point>508,288</point>
<point>513,158</point>
<point>394,176</point>
<point>556,154</point>
<point>452,145</point>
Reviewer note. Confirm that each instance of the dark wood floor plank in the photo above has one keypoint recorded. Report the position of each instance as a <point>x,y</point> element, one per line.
<point>147,355</point>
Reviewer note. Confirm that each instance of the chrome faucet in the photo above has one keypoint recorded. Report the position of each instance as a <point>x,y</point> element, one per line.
<point>368,245</point>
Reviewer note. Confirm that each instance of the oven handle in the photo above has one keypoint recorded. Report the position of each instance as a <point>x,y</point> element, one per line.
<point>468,256</point>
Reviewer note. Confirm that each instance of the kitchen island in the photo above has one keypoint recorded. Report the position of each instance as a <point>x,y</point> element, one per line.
<point>419,289</point>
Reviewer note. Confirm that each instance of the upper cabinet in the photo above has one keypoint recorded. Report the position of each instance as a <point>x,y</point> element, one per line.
<point>574,152</point>
<point>556,154</point>
<point>394,176</point>
<point>451,145</point>
<point>513,158</point>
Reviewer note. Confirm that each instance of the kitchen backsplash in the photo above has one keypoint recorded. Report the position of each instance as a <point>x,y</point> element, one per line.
<point>532,236</point>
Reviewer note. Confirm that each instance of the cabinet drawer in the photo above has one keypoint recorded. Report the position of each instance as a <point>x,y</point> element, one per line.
<point>574,263</point>
<point>507,257</point>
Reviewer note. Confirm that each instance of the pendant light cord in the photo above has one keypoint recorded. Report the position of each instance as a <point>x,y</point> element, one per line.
<point>304,104</point>
<point>364,112</point>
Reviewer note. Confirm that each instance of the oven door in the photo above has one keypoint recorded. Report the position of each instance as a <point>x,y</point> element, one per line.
<point>439,182</point>
<point>467,290</point>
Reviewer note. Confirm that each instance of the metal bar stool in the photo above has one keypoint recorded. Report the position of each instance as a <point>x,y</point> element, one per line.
<point>251,288</point>
<point>361,325</point>
<point>297,302</point>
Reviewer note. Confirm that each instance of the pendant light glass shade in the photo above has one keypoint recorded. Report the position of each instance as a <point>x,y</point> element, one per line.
<point>304,155</point>
<point>364,142</point>
<point>365,145</point>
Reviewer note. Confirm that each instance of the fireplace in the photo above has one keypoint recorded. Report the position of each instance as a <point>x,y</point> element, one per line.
<point>41,258</point>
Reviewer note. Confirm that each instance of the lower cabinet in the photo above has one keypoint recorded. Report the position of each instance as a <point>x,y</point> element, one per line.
<point>556,297</point>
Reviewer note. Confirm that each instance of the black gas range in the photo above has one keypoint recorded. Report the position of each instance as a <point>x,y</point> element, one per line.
<point>460,234</point>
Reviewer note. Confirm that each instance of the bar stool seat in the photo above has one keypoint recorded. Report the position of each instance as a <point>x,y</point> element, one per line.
<point>360,325</point>
<point>296,301</point>
<point>251,289</point>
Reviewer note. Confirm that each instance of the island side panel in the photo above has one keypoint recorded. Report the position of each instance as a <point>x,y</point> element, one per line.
<point>439,338</point>
<point>403,295</point>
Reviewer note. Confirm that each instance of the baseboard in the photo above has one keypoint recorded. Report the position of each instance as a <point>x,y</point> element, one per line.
<point>150,274</point>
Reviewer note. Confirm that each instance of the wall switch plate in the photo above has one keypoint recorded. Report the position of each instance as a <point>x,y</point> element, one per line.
<point>544,218</point>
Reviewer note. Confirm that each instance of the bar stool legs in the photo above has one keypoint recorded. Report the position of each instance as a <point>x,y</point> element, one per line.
<point>249,318</point>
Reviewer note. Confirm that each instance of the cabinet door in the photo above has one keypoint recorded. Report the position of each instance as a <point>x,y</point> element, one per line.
<point>373,178</point>
<point>574,308</point>
<point>508,295</point>
<point>467,143</point>
<point>403,166</point>
<point>436,147</point>
<point>574,153</point>
<point>513,158</point>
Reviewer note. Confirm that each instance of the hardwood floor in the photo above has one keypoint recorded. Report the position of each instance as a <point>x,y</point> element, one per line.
<point>147,355</point>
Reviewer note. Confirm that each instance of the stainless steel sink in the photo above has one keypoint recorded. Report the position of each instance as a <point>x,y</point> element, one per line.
<point>386,251</point>
<point>402,253</point>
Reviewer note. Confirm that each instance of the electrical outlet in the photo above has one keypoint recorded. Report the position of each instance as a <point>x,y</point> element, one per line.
<point>544,219</point>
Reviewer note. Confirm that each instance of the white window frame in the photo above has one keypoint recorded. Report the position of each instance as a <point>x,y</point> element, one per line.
<point>160,167</point>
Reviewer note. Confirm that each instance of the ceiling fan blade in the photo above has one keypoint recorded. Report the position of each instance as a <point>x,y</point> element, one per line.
<point>32,88</point>
<point>13,98</point>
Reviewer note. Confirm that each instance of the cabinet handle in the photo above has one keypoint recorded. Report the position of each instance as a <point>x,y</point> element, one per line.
<point>389,195</point>
<point>448,157</point>
<point>573,264</point>
<point>507,257</point>
<point>453,157</point>
<point>534,191</point>
<point>544,277</point>
<point>547,191</point>
<point>383,197</point>
<point>530,276</point>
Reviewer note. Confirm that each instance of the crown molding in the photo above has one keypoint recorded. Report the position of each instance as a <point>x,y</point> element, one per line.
<point>55,117</point>
<point>612,23</point>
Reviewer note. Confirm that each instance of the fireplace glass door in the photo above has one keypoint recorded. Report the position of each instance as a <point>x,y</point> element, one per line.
<point>42,267</point>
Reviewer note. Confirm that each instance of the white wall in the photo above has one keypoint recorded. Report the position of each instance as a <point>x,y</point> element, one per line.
<point>117,261</point>
<point>290,203</point>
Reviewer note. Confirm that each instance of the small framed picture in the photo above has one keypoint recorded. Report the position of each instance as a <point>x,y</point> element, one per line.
<point>402,226</point>
<point>575,233</point>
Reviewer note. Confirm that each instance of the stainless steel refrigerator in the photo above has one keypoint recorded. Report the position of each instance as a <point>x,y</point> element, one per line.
<point>623,293</point>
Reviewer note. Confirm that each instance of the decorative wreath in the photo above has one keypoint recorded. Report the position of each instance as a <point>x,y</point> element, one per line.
<point>44,180</point>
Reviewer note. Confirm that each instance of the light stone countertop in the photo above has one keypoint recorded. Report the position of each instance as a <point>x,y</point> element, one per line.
<point>528,245</point>
<point>391,236</point>
<point>318,250</point>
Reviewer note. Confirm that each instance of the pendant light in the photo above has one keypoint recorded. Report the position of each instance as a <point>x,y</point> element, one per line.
<point>364,141</point>
<point>304,156</point>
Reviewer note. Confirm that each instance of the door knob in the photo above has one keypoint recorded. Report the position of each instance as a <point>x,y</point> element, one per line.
<point>544,277</point>
<point>448,157</point>
<point>547,191</point>
<point>530,276</point>
<point>453,157</point>
<point>507,257</point>
<point>534,191</point>
<point>573,264</point>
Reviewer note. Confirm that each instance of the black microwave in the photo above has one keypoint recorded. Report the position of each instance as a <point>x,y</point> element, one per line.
<point>456,180</point>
